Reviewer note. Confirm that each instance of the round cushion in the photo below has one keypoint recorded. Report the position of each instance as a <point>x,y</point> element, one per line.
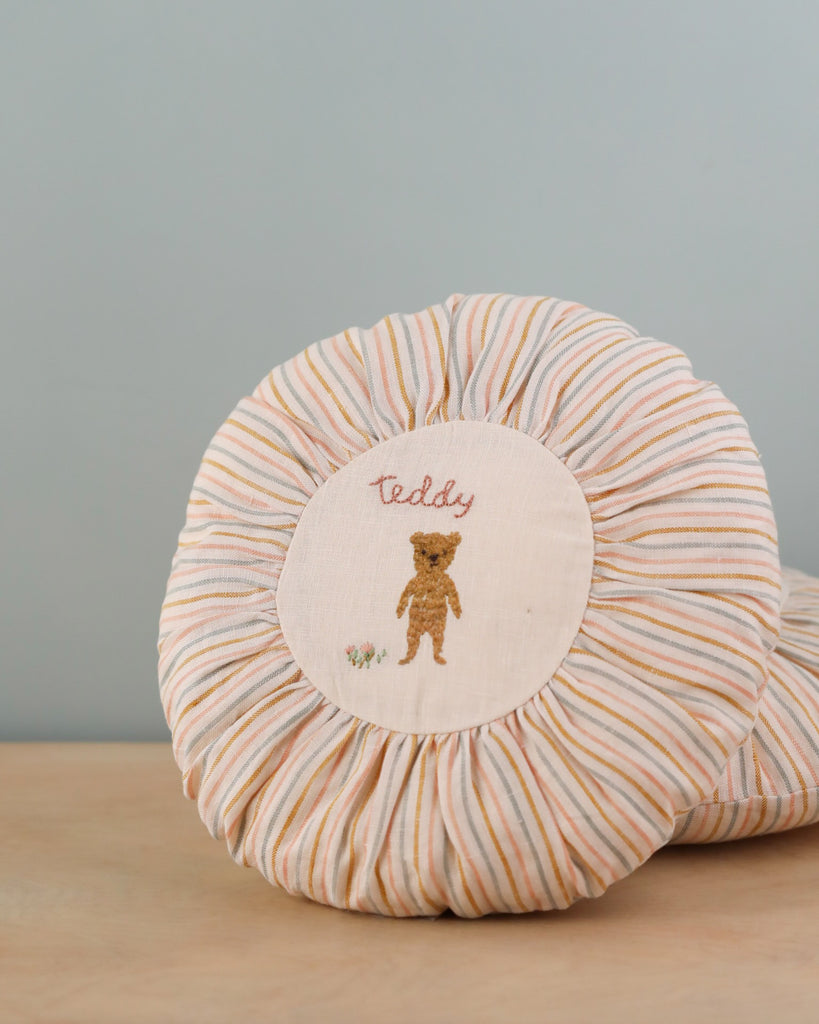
<point>468,608</point>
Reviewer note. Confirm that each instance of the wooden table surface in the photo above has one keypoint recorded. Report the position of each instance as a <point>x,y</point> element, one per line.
<point>116,905</point>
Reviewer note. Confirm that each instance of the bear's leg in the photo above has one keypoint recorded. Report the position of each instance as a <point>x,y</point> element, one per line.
<point>437,634</point>
<point>414,631</point>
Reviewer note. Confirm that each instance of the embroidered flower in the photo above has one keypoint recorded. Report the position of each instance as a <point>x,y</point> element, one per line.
<point>363,655</point>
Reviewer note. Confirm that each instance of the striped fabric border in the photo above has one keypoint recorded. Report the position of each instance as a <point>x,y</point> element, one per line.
<point>772,782</point>
<point>575,788</point>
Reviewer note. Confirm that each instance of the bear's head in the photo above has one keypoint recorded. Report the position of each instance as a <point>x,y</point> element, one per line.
<point>434,551</point>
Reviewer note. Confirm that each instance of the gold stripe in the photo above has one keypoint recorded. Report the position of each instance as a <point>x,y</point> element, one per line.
<point>688,529</point>
<point>351,866</point>
<point>586,362</point>
<point>583,326</point>
<point>332,395</point>
<point>207,597</point>
<point>279,399</point>
<point>485,323</point>
<point>617,387</point>
<point>763,810</point>
<point>736,604</point>
<point>305,790</point>
<point>354,350</point>
<point>203,696</point>
<point>279,694</point>
<point>415,856</point>
<point>541,827</point>
<point>509,874</point>
<point>521,343</point>
<point>683,632</point>
<point>245,537</point>
<point>566,764</point>
<point>640,730</point>
<point>675,678</point>
<point>330,806</point>
<point>264,440</point>
<point>802,784</point>
<point>668,433</point>
<point>574,742</point>
<point>225,643</point>
<point>687,575</point>
<point>250,483</point>
<point>466,888</point>
<point>397,361</point>
<point>442,405</point>
<point>713,832</point>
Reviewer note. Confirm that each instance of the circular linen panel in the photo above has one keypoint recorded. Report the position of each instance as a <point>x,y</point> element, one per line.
<point>466,572</point>
<point>468,608</point>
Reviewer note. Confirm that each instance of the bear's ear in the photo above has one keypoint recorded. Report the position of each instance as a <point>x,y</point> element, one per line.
<point>417,537</point>
<point>455,538</point>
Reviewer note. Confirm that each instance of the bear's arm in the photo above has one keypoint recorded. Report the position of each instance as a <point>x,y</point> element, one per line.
<point>454,600</point>
<point>409,590</point>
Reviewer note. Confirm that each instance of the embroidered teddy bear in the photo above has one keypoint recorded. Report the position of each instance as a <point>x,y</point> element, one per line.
<point>429,590</point>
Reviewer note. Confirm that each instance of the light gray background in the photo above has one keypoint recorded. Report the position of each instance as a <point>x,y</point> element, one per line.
<point>193,192</point>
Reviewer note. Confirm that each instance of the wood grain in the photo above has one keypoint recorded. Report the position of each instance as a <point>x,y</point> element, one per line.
<point>117,906</point>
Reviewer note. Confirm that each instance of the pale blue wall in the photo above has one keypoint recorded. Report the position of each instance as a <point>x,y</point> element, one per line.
<point>193,192</point>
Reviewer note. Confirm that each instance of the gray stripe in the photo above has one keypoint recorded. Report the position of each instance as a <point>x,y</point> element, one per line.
<point>453,369</point>
<point>614,355</point>
<point>201,638</point>
<point>380,833</point>
<point>318,751</point>
<point>402,810</point>
<point>731,664</point>
<point>282,482</point>
<point>660,453</point>
<point>560,356</point>
<point>487,355</point>
<point>649,698</point>
<point>214,580</point>
<point>261,750</point>
<point>226,718</point>
<point>472,384</point>
<point>296,396</point>
<point>536,353</point>
<point>462,773</point>
<point>394,427</point>
<point>244,510</point>
<point>521,823</point>
<point>637,747</point>
<point>583,814</point>
<point>599,422</point>
<point>333,851</point>
<point>710,545</point>
<point>414,400</point>
<point>331,370</point>
<point>282,437</point>
<point>773,695</point>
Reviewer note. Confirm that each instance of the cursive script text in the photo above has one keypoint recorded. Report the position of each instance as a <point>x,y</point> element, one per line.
<point>391,494</point>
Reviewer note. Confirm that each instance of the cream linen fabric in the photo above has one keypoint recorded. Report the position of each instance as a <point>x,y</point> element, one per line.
<point>521,573</point>
<point>570,789</point>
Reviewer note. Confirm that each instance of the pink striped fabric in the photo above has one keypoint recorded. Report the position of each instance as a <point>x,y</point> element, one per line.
<point>772,783</point>
<point>576,787</point>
